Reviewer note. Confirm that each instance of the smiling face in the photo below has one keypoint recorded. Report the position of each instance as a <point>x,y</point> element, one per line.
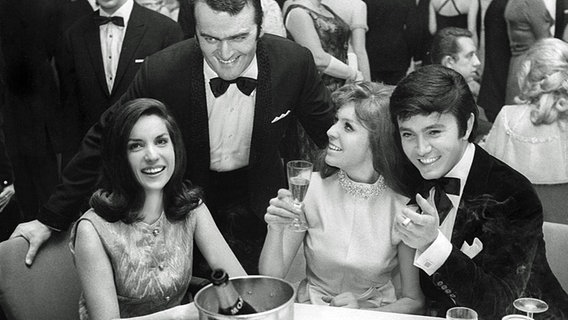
<point>466,61</point>
<point>349,147</point>
<point>151,153</point>
<point>433,143</point>
<point>228,42</point>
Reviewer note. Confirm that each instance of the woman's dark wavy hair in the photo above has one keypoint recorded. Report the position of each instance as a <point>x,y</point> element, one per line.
<point>371,102</point>
<point>121,196</point>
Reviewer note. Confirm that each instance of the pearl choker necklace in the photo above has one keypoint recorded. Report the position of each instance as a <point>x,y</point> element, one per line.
<point>361,190</point>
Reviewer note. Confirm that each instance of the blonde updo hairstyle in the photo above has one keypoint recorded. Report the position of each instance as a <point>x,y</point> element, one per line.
<point>543,79</point>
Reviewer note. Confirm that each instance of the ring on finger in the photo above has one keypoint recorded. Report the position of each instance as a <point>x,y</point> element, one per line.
<point>406,222</point>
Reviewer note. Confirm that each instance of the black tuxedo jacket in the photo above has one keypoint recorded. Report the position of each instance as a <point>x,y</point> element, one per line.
<point>85,92</point>
<point>288,84</point>
<point>500,207</point>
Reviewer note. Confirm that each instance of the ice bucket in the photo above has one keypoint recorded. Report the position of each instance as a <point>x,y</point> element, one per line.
<point>273,298</point>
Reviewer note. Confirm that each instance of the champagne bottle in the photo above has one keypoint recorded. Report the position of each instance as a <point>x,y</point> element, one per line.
<point>230,302</point>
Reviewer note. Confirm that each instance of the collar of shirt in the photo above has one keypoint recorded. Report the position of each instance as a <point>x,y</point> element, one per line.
<point>94,4</point>
<point>251,71</point>
<point>124,11</point>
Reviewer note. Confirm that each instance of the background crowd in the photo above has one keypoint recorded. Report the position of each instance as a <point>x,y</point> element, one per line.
<point>70,69</point>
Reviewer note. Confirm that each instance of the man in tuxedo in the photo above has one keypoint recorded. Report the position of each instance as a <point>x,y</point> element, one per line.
<point>233,92</point>
<point>478,239</point>
<point>99,58</point>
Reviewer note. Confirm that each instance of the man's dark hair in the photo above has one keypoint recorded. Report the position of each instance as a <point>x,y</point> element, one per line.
<point>445,43</point>
<point>434,89</point>
<point>233,7</point>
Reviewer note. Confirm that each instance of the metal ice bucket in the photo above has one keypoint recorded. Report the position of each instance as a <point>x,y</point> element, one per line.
<point>273,298</point>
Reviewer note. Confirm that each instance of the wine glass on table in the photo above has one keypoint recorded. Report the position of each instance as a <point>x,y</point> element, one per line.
<point>461,313</point>
<point>530,306</point>
<point>299,175</point>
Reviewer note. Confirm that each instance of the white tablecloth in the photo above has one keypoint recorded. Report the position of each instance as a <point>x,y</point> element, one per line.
<point>314,312</point>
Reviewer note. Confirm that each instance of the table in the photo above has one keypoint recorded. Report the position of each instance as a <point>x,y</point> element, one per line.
<point>310,311</point>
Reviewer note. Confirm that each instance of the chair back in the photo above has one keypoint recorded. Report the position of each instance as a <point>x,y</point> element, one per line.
<point>49,289</point>
<point>556,238</point>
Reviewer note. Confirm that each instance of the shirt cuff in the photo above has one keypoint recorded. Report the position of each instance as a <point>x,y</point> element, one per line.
<point>431,259</point>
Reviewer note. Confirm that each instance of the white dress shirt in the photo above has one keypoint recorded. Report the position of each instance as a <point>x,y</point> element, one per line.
<point>231,118</point>
<point>438,252</point>
<point>111,37</point>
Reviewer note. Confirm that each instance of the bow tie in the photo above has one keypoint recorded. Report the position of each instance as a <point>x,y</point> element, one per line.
<point>100,20</point>
<point>219,86</point>
<point>443,187</point>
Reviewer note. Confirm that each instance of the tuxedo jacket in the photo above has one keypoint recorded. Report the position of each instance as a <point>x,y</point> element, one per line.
<point>499,207</point>
<point>85,92</point>
<point>288,86</point>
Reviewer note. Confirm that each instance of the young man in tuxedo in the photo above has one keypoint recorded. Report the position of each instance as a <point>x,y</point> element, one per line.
<point>99,56</point>
<point>478,239</point>
<point>233,92</point>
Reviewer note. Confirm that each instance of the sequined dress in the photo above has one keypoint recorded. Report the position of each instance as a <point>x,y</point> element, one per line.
<point>349,246</point>
<point>334,34</point>
<point>152,263</point>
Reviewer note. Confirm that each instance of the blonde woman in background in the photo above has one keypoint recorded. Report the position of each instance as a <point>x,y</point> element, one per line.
<point>532,137</point>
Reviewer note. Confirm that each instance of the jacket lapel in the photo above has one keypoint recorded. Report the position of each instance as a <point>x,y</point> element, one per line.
<point>93,44</point>
<point>263,104</point>
<point>134,32</point>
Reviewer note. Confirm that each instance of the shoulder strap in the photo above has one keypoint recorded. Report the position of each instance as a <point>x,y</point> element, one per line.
<point>455,6</point>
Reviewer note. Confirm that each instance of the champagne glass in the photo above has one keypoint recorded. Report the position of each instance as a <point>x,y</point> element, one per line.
<point>530,306</point>
<point>299,174</point>
<point>461,313</point>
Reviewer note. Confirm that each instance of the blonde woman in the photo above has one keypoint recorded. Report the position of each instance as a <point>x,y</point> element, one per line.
<point>532,137</point>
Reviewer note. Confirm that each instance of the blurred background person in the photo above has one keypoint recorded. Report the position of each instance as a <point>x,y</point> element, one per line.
<point>496,63</point>
<point>28,34</point>
<point>350,248</point>
<point>134,248</point>
<point>158,6</point>
<point>527,22</point>
<point>354,13</point>
<point>387,42</point>
<point>317,27</point>
<point>454,13</point>
<point>98,59</point>
<point>272,21</point>
<point>532,137</point>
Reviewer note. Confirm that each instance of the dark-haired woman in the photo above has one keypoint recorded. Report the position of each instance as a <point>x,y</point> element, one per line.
<point>133,249</point>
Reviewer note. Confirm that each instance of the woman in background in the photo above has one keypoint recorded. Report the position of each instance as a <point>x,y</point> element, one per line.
<point>134,248</point>
<point>532,137</point>
<point>454,13</point>
<point>350,248</point>
<point>527,22</point>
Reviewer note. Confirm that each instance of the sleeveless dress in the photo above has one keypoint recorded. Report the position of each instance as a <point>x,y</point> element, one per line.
<point>459,20</point>
<point>334,34</point>
<point>350,245</point>
<point>152,263</point>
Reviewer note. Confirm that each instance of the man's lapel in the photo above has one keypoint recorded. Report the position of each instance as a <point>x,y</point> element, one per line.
<point>134,34</point>
<point>263,103</point>
<point>467,225</point>
<point>93,44</point>
<point>197,120</point>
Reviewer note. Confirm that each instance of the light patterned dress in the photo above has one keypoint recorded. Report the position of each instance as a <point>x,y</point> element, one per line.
<point>151,262</point>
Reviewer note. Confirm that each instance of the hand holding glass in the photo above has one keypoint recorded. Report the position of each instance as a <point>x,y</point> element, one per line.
<point>299,175</point>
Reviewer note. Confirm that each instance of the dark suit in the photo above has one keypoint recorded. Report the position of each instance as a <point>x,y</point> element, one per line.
<point>287,81</point>
<point>500,207</point>
<point>85,92</point>
<point>31,100</point>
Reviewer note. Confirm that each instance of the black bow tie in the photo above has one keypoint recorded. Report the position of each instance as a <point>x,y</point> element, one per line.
<point>219,86</point>
<point>100,20</point>
<point>443,187</point>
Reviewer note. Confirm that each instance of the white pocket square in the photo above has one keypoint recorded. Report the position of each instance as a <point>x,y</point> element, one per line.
<point>473,250</point>
<point>138,60</point>
<point>280,117</point>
